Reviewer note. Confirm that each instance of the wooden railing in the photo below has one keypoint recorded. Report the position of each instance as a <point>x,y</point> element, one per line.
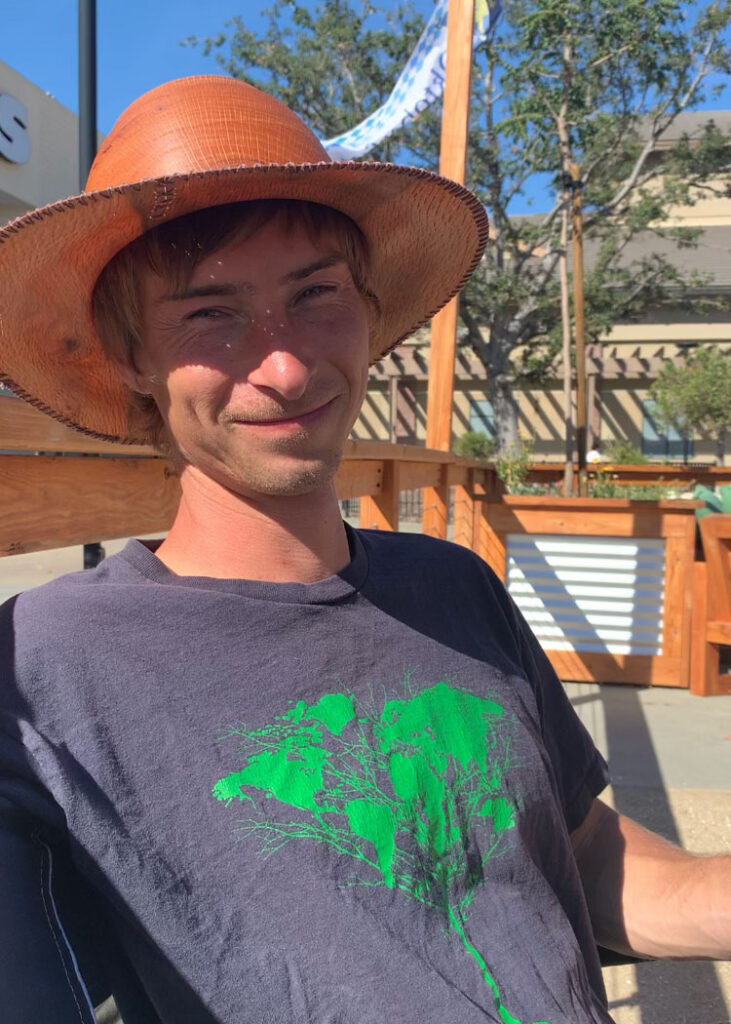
<point>667,475</point>
<point>58,491</point>
<point>66,494</point>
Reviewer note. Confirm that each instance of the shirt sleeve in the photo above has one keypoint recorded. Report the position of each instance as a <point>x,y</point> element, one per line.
<point>40,976</point>
<point>580,771</point>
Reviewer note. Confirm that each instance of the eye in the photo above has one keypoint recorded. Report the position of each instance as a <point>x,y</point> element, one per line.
<point>314,291</point>
<point>207,313</point>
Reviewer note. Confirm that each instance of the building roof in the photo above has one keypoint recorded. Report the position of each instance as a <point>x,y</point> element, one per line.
<point>691,123</point>
<point>711,255</point>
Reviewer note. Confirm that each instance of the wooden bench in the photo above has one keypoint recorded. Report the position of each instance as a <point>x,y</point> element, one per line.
<point>712,608</point>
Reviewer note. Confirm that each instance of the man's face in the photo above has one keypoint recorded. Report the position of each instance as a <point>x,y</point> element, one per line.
<point>259,365</point>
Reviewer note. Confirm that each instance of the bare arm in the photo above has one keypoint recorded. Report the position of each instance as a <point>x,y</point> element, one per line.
<point>648,897</point>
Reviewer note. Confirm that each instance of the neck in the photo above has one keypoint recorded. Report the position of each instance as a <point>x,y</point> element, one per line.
<point>293,539</point>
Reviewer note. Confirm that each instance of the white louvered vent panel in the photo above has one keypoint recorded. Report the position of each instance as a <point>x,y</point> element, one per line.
<point>599,594</point>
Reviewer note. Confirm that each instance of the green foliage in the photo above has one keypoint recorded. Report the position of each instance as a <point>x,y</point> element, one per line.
<point>474,444</point>
<point>605,487</point>
<point>695,395</point>
<point>332,62</point>
<point>624,453</point>
<point>556,82</point>
<point>513,465</point>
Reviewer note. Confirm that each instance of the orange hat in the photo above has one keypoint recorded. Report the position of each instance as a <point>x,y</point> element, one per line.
<point>186,145</point>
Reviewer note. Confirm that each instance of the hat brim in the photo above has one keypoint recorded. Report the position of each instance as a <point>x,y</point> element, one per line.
<point>425,235</point>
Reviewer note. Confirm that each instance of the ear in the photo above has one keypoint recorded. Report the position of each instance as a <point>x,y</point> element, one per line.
<point>132,377</point>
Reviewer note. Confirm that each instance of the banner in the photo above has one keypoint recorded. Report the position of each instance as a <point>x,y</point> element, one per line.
<point>419,84</point>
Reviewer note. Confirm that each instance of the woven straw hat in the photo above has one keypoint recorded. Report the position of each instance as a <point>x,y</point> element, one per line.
<point>189,144</point>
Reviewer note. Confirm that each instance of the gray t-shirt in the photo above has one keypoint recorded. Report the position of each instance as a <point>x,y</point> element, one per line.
<point>345,802</point>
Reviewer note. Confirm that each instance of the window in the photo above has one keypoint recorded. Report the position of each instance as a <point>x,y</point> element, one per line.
<point>481,416</point>
<point>662,444</point>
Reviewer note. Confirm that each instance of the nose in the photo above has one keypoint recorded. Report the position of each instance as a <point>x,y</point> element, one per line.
<point>282,363</point>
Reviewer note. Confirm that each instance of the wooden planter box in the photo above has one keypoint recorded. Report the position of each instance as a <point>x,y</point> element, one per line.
<point>606,584</point>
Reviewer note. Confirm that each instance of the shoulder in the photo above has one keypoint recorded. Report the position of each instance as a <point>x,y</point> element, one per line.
<point>421,572</point>
<point>66,610</point>
<point>425,554</point>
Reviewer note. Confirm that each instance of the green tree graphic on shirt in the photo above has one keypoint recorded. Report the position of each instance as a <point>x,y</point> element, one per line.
<point>401,790</point>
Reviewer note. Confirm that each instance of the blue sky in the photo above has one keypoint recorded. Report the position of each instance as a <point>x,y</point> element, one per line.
<point>138,44</point>
<point>138,47</point>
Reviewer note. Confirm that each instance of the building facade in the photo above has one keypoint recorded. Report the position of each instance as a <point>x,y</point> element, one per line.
<point>620,369</point>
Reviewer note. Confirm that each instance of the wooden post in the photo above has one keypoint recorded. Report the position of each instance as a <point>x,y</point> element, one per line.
<point>393,391</point>
<point>464,510</point>
<point>578,254</point>
<point>568,377</point>
<point>380,511</point>
<point>455,115</point>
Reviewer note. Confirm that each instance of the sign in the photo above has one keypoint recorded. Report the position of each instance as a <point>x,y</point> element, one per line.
<point>14,141</point>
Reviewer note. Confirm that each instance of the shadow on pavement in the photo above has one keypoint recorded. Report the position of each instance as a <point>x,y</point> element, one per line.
<point>666,992</point>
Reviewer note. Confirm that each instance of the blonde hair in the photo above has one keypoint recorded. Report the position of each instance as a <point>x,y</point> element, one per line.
<point>174,249</point>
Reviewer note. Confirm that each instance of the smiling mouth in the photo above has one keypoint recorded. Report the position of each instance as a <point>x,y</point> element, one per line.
<point>298,419</point>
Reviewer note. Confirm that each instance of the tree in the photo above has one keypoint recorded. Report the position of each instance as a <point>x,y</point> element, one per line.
<point>556,82</point>
<point>332,62</point>
<point>411,788</point>
<point>695,396</point>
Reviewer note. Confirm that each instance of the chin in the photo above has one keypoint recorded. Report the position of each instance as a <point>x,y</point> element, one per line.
<point>303,477</point>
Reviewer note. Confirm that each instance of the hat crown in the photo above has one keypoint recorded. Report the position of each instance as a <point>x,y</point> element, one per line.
<point>201,123</point>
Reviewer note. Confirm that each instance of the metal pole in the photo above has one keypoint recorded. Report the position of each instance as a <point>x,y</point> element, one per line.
<point>87,88</point>
<point>578,254</point>
<point>93,553</point>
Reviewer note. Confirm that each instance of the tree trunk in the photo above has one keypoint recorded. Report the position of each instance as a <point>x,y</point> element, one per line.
<point>505,410</point>
<point>721,446</point>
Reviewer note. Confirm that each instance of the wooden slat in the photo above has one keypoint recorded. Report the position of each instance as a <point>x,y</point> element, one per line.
<point>52,502</point>
<point>610,517</point>
<point>356,478</point>
<point>420,474</point>
<point>676,577</point>
<point>704,659</point>
<point>457,475</point>
<point>718,632</point>
<point>712,611</point>
<point>403,452</point>
<point>716,536</point>
<point>634,669</point>
<point>23,428</point>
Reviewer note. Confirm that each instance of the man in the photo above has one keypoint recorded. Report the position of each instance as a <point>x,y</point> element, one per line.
<point>301,773</point>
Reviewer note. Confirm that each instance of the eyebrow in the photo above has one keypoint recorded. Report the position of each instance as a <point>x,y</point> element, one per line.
<point>234,287</point>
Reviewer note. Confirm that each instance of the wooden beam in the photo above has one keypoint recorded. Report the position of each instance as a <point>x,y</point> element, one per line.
<point>464,511</point>
<point>455,117</point>
<point>357,478</point>
<point>23,428</point>
<point>420,474</point>
<point>436,502</point>
<point>380,511</point>
<point>51,502</point>
<point>577,225</point>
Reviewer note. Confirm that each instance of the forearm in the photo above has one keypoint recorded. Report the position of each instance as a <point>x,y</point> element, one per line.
<point>649,897</point>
